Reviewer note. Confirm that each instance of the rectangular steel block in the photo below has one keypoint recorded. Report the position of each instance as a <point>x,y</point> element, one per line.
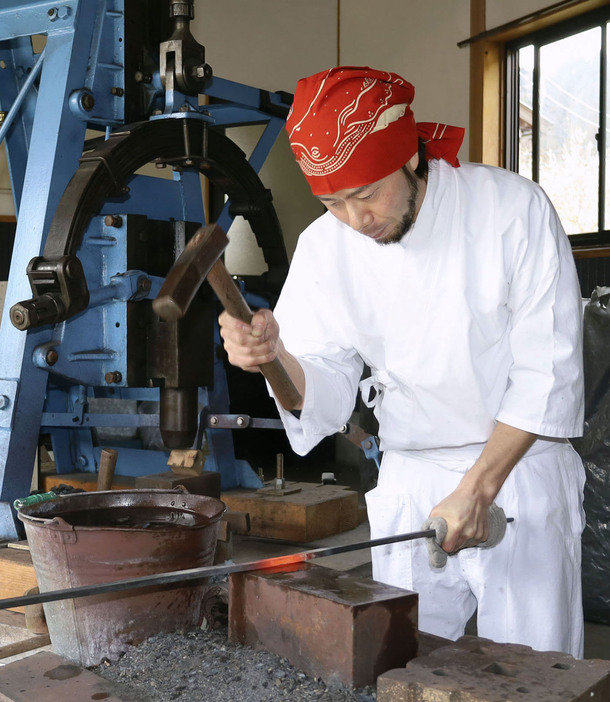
<point>327,623</point>
<point>478,670</point>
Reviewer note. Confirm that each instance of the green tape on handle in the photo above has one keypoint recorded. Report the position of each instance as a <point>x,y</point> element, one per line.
<point>34,499</point>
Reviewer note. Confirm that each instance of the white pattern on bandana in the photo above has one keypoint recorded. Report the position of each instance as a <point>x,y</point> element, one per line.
<point>349,133</point>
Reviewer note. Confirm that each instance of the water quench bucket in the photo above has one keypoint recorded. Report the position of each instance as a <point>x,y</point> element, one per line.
<point>96,537</point>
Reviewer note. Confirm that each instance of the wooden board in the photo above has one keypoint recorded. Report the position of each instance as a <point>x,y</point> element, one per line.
<point>17,574</point>
<point>316,511</point>
<point>28,644</point>
<point>21,545</point>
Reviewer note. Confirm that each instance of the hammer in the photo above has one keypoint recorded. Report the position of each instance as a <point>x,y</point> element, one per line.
<point>200,260</point>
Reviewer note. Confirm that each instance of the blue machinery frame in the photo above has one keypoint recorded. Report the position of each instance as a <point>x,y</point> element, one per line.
<point>48,101</point>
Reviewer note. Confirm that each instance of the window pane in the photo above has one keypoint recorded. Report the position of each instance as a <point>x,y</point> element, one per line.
<point>569,119</point>
<point>526,109</point>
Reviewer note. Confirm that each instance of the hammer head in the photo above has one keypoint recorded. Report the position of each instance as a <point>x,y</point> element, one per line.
<point>190,270</point>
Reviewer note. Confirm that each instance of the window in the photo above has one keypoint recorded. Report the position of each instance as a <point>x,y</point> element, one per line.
<point>557,120</point>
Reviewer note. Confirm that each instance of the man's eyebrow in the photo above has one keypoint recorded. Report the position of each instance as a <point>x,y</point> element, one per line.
<point>355,193</point>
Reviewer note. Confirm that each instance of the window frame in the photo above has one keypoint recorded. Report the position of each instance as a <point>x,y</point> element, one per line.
<point>599,17</point>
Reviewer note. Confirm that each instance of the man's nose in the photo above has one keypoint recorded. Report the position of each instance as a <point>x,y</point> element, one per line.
<point>359,216</point>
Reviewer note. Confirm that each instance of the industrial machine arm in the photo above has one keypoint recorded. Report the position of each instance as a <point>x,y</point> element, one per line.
<point>99,224</point>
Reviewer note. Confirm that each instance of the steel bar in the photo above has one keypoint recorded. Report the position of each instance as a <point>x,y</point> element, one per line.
<point>14,111</point>
<point>206,572</point>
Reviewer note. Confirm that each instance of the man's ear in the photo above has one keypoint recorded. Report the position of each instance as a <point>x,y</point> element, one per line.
<point>413,162</point>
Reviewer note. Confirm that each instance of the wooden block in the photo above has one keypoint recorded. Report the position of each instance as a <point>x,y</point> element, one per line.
<point>16,574</point>
<point>330,624</point>
<point>239,521</point>
<point>316,511</point>
<point>46,676</point>
<point>84,481</point>
<point>207,483</point>
<point>29,644</point>
<point>35,620</point>
<point>186,462</point>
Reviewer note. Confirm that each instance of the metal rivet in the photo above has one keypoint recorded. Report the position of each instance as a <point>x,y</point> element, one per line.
<point>87,102</point>
<point>113,221</point>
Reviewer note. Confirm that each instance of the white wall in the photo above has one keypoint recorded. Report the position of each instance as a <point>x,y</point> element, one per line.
<point>6,196</point>
<point>418,40</point>
<point>499,12</point>
<point>272,43</point>
<point>269,44</point>
<point>280,41</point>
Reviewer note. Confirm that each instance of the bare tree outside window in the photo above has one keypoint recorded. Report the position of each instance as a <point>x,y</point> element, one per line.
<point>559,123</point>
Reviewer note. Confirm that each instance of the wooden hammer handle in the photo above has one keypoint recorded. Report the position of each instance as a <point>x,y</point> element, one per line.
<point>108,459</point>
<point>233,301</point>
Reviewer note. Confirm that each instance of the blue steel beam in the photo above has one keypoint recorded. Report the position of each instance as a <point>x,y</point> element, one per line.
<point>55,146</point>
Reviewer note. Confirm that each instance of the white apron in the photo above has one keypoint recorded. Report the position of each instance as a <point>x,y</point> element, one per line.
<point>527,589</point>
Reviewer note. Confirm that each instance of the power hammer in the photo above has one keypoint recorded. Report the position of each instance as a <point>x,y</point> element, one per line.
<point>200,260</point>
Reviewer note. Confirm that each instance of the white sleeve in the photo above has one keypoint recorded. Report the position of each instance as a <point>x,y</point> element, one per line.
<point>312,328</point>
<point>545,393</point>
<point>330,396</point>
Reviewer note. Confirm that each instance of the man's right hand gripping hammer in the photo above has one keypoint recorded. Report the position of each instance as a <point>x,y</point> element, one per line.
<point>438,557</point>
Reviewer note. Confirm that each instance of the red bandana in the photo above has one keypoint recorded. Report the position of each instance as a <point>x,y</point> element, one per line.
<point>352,125</point>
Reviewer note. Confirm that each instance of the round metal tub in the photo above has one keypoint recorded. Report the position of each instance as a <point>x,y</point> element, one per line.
<point>96,537</point>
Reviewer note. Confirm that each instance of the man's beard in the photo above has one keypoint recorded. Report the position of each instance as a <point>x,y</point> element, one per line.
<point>409,216</point>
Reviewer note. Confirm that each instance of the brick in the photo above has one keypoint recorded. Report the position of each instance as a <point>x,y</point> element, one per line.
<point>478,670</point>
<point>327,623</point>
<point>186,461</point>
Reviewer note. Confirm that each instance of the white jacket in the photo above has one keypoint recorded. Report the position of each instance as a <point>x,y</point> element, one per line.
<point>475,317</point>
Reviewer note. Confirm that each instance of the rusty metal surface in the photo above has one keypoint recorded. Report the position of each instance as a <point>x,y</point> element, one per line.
<point>478,670</point>
<point>327,623</point>
<point>97,537</point>
<point>206,483</point>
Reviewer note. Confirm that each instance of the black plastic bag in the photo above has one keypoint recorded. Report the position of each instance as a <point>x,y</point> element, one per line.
<point>594,448</point>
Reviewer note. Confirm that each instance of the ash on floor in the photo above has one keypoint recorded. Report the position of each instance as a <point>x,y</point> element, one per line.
<point>204,665</point>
